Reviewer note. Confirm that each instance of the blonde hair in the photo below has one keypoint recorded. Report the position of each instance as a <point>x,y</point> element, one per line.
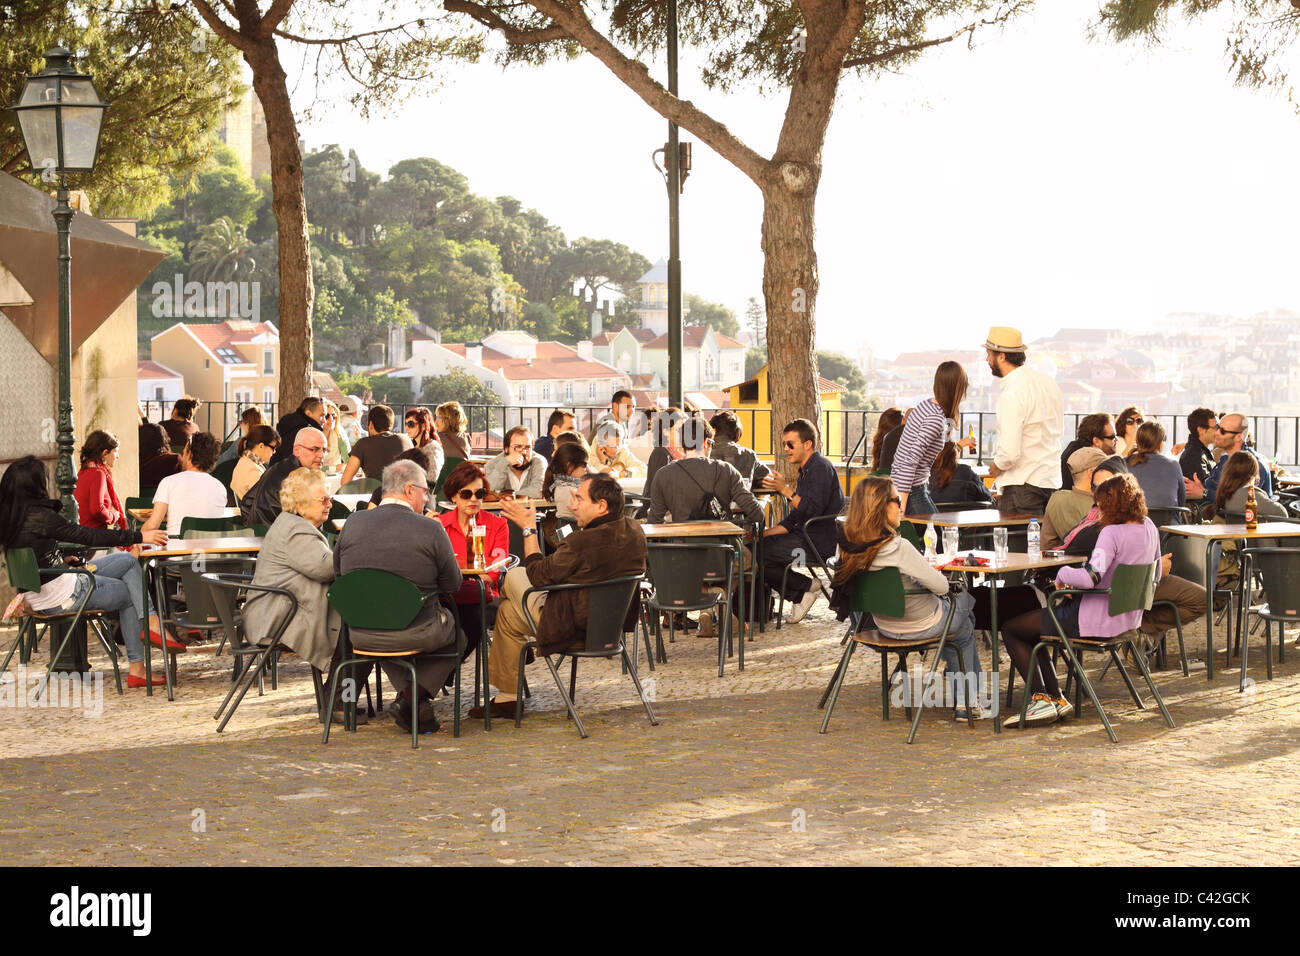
<point>866,524</point>
<point>453,415</point>
<point>295,490</point>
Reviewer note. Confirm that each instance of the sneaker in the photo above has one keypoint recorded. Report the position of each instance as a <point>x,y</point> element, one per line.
<point>974,712</point>
<point>1042,710</point>
<point>799,611</point>
<point>1063,707</point>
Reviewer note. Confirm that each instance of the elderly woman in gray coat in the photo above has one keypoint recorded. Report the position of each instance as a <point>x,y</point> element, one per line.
<point>295,556</point>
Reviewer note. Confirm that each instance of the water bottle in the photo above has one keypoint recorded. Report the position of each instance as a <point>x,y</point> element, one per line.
<point>1035,537</point>
<point>930,541</point>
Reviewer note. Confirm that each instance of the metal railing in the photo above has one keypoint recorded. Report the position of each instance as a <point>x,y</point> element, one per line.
<point>846,433</point>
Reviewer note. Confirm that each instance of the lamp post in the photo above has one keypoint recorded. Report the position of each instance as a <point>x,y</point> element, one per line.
<point>61,116</point>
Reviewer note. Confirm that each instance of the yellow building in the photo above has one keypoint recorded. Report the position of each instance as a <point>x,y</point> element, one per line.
<point>236,362</point>
<point>751,405</point>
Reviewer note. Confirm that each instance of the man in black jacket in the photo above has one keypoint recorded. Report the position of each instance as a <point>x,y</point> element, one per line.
<point>261,504</point>
<point>1197,459</point>
<point>310,414</point>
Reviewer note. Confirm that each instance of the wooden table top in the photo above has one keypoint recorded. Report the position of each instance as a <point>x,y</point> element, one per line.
<point>483,572</point>
<point>189,546</point>
<point>1016,561</point>
<point>1210,532</point>
<point>1287,479</point>
<point>144,514</point>
<point>983,518</point>
<point>692,529</point>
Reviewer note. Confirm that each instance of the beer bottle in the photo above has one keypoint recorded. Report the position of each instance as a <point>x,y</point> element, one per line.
<point>1252,509</point>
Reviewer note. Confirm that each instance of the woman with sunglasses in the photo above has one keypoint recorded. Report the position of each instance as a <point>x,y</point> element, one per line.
<point>869,541</point>
<point>466,487</point>
<point>423,432</point>
<point>1127,423</point>
<point>337,446</point>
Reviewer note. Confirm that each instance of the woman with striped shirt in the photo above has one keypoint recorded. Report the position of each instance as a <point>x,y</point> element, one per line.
<point>931,423</point>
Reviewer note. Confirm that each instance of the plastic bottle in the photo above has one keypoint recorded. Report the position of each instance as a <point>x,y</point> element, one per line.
<point>930,539</point>
<point>1252,509</point>
<point>1035,540</point>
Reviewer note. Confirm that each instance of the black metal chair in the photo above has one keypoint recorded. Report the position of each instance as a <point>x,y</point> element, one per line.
<point>679,573</point>
<point>226,592</point>
<point>812,560</point>
<point>1280,570</point>
<point>607,605</point>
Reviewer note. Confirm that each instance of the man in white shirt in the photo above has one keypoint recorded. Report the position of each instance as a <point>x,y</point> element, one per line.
<point>191,492</point>
<point>1026,464</point>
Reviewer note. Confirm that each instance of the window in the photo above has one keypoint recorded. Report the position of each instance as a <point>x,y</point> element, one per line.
<point>229,356</point>
<point>268,361</point>
<point>243,396</point>
<point>591,391</point>
<point>158,393</point>
<point>268,400</point>
<point>207,363</point>
<point>568,391</point>
<point>523,392</point>
<point>546,393</point>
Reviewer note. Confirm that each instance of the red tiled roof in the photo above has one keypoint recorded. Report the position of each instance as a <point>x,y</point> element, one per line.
<point>607,336</point>
<point>147,368</point>
<point>693,338</point>
<point>553,361</point>
<point>727,342</point>
<point>230,334</point>
<point>642,381</point>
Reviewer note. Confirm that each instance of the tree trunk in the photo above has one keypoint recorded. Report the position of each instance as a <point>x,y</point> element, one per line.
<point>289,203</point>
<point>790,288</point>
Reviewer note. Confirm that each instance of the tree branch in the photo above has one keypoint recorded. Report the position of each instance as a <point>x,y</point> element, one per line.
<point>574,25</point>
<point>494,21</point>
<point>340,41</point>
<point>873,58</point>
<point>273,17</point>
<point>854,17</point>
<point>220,27</point>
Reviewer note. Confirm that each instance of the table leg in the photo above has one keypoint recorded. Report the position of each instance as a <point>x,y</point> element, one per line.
<point>484,646</point>
<point>996,670</point>
<point>740,569</point>
<point>144,630</point>
<point>1211,575</point>
<point>160,592</point>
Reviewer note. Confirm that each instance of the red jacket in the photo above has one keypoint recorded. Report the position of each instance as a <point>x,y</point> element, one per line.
<point>97,503</point>
<point>498,546</point>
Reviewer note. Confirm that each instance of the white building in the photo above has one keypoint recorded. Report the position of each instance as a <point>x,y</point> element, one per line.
<point>158,383</point>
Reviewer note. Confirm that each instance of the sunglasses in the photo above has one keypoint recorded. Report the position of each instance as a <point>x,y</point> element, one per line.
<point>896,501</point>
<point>792,445</point>
<point>412,424</point>
<point>1111,437</point>
<point>465,494</point>
<point>330,415</point>
<point>1228,431</point>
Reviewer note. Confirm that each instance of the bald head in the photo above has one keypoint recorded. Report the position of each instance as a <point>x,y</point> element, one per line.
<point>1231,434</point>
<point>309,447</point>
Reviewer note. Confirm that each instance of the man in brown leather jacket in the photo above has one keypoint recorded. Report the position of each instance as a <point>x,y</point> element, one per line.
<point>608,545</point>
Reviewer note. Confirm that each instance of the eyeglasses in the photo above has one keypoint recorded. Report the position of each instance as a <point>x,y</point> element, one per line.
<point>312,448</point>
<point>324,499</point>
<point>896,501</point>
<point>465,494</point>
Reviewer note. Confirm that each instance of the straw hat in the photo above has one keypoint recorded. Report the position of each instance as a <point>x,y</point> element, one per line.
<point>1004,339</point>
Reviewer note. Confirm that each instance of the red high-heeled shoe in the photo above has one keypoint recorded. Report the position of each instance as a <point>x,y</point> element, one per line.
<point>175,647</point>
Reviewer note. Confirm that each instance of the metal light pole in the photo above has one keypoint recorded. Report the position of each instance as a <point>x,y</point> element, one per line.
<point>674,228</point>
<point>61,116</point>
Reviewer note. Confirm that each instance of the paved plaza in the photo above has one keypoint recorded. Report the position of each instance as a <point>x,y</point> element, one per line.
<point>736,773</point>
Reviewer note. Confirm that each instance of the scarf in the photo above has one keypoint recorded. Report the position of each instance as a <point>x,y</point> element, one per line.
<point>1091,518</point>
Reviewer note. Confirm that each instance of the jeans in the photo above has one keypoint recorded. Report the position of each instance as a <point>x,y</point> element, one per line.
<point>919,501</point>
<point>962,636</point>
<point>118,588</point>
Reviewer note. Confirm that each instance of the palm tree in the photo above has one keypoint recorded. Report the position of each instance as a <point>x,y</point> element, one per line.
<point>220,254</point>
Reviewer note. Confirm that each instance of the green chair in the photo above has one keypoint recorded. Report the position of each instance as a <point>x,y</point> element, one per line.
<point>224,472</point>
<point>133,504</point>
<point>379,601</point>
<point>608,603</point>
<point>26,575</point>
<point>215,528</point>
<point>448,466</point>
<point>360,486</point>
<point>913,537</point>
<point>678,573</point>
<point>882,592</point>
<point>1280,570</point>
<point>1131,589</point>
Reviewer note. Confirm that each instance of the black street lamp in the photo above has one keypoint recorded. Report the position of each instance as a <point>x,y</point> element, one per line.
<point>61,116</point>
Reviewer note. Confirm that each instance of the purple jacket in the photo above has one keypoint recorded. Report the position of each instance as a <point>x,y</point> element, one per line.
<point>1117,544</point>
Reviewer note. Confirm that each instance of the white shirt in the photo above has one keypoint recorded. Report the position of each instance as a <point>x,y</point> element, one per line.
<point>1030,425</point>
<point>190,494</point>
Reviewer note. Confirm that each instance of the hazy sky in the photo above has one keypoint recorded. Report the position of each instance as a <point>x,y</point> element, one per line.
<point>1037,180</point>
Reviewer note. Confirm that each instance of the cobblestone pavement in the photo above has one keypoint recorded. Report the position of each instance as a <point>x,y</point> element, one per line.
<point>735,773</point>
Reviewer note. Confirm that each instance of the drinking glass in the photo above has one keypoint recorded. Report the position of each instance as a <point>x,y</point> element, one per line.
<point>949,540</point>
<point>1000,545</point>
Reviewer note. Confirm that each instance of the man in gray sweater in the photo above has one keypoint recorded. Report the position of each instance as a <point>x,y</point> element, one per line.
<point>398,538</point>
<point>681,487</point>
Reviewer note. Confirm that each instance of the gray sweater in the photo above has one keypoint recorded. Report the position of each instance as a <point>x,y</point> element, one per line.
<point>497,471</point>
<point>1161,479</point>
<point>921,611</point>
<point>680,486</point>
